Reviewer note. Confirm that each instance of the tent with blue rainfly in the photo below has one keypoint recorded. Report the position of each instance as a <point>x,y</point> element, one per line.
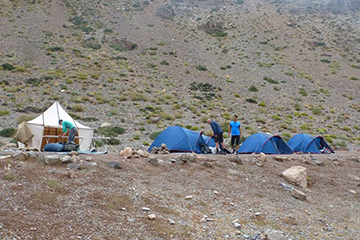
<point>306,143</point>
<point>178,139</point>
<point>265,143</point>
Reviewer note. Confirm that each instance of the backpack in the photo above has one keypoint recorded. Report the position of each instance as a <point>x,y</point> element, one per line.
<point>205,149</point>
<point>68,147</point>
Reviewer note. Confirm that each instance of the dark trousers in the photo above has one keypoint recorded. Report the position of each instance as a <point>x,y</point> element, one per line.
<point>72,134</point>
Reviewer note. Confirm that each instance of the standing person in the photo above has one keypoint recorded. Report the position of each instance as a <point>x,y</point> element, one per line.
<point>66,125</point>
<point>218,134</point>
<point>235,131</point>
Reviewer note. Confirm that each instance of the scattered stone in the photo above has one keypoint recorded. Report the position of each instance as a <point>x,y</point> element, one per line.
<point>352,191</point>
<point>259,164</point>
<point>153,161</point>
<point>73,153</point>
<point>336,163</point>
<point>105,124</point>
<point>355,159</point>
<point>173,160</point>
<point>20,156</point>
<point>32,155</point>
<point>154,120</point>
<point>181,159</point>
<point>287,187</point>
<point>152,216</point>
<point>145,154</point>
<point>192,158</point>
<point>172,222</point>
<point>299,194</point>
<point>216,192</point>
<point>236,160</point>
<point>66,159</point>
<point>206,164</point>
<point>319,163</point>
<point>127,152</point>
<point>296,175</point>
<point>274,235</point>
<point>75,159</point>
<point>71,174</point>
<point>163,149</point>
<point>189,197</point>
<point>236,224</point>
<point>116,165</point>
<point>88,159</point>
<point>145,209</point>
<point>354,177</point>
<point>10,146</point>
<point>73,166</point>
<point>262,157</point>
<point>5,157</point>
<point>209,219</point>
<point>52,159</point>
<point>20,165</point>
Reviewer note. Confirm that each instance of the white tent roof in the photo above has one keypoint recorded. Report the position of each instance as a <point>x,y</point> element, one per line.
<point>51,117</point>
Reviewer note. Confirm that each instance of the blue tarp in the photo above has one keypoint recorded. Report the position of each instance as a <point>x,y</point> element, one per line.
<point>306,143</point>
<point>265,143</point>
<point>178,139</point>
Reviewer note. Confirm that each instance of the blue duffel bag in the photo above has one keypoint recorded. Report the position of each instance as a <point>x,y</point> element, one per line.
<point>54,147</point>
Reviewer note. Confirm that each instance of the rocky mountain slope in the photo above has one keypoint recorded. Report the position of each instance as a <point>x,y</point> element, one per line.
<point>282,66</point>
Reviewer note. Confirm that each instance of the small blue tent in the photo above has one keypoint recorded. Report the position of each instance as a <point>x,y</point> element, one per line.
<point>265,143</point>
<point>306,143</point>
<point>178,139</point>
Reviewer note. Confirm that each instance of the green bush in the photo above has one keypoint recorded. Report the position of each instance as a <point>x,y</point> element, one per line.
<point>110,131</point>
<point>146,143</point>
<point>286,136</point>
<point>114,141</point>
<point>251,100</point>
<point>7,67</point>
<point>201,67</point>
<point>164,62</point>
<point>262,104</point>
<point>7,132</point>
<point>78,108</point>
<point>316,111</point>
<point>276,117</point>
<point>4,112</point>
<point>136,137</point>
<point>303,92</point>
<point>56,49</point>
<point>270,80</point>
<point>252,88</point>
<point>25,118</point>
<point>154,135</point>
<point>297,107</point>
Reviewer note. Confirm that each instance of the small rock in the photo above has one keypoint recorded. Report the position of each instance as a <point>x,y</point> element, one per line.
<point>5,157</point>
<point>172,222</point>
<point>262,157</point>
<point>319,163</point>
<point>152,216</point>
<point>52,159</point>
<point>127,152</point>
<point>20,156</point>
<point>145,209</point>
<point>116,165</point>
<point>299,194</point>
<point>181,159</point>
<point>336,162</point>
<point>237,225</point>
<point>259,164</point>
<point>173,160</point>
<point>144,154</point>
<point>355,159</point>
<point>216,192</point>
<point>206,164</point>
<point>73,166</point>
<point>105,124</point>
<point>296,175</point>
<point>236,160</point>
<point>88,159</point>
<point>20,165</point>
<point>274,235</point>
<point>153,161</point>
<point>73,153</point>
<point>189,197</point>
<point>209,219</point>
<point>10,145</point>
<point>287,187</point>
<point>75,159</point>
<point>32,154</point>
<point>71,174</point>
<point>66,159</point>
<point>154,120</point>
<point>192,158</point>
<point>352,191</point>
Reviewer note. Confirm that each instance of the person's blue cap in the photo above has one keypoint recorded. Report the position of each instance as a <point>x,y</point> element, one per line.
<point>60,120</point>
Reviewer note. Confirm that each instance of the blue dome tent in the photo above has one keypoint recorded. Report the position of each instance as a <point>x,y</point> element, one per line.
<point>306,143</point>
<point>265,143</point>
<point>178,139</point>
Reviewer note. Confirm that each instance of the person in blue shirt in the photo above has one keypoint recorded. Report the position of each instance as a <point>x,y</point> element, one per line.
<point>66,125</point>
<point>218,134</point>
<point>235,132</point>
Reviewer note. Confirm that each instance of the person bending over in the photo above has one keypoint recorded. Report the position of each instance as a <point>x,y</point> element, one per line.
<point>218,134</point>
<point>66,125</point>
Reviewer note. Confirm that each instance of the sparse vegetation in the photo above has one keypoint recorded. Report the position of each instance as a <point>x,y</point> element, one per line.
<point>7,132</point>
<point>252,88</point>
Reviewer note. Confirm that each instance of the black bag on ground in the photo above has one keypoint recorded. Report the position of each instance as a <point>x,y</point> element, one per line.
<point>205,149</point>
<point>68,147</point>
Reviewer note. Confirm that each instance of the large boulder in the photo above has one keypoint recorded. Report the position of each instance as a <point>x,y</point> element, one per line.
<point>296,175</point>
<point>127,152</point>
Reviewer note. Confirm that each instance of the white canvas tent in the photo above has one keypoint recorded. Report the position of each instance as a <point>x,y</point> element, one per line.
<point>47,124</point>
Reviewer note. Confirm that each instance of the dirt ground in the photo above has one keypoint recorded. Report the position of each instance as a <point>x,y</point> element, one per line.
<point>194,200</point>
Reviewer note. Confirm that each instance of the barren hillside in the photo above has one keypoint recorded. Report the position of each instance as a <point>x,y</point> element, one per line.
<point>283,66</point>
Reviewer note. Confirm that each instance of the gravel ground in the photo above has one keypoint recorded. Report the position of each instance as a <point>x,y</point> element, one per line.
<point>214,197</point>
